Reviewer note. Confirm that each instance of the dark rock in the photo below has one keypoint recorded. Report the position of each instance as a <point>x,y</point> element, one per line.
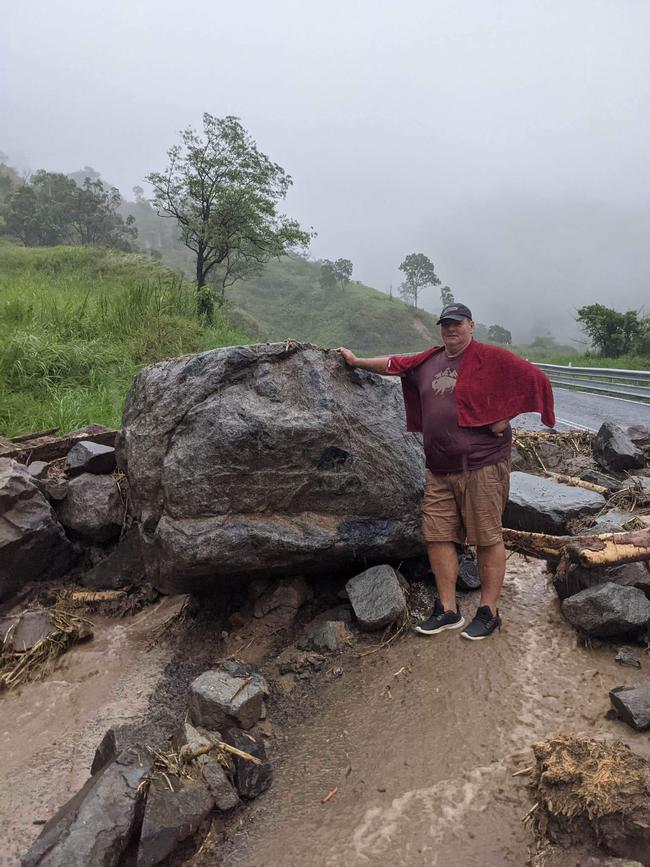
<point>93,508</point>
<point>639,485</point>
<point>219,698</point>
<point>171,817</point>
<point>189,740</point>
<point>543,505</point>
<point>54,489</point>
<point>216,779</point>
<point>624,657</point>
<point>325,635</point>
<point>608,611</point>
<point>610,522</point>
<point>332,479</point>
<point>122,567</point>
<point>27,629</point>
<point>614,451</point>
<point>115,741</point>
<point>580,578</point>
<point>95,826</point>
<point>88,457</point>
<point>632,704</point>
<point>376,597</point>
<point>38,469</point>
<point>639,434</point>
<point>251,779</point>
<point>279,603</point>
<point>597,477</point>
<point>468,575</point>
<point>33,545</point>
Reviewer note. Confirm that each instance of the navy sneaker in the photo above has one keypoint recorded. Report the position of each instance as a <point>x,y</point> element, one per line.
<point>484,624</point>
<point>441,620</point>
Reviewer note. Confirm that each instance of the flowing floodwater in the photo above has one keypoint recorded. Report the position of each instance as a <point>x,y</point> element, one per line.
<point>422,739</point>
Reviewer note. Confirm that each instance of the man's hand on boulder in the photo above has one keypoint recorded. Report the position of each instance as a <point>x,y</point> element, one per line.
<point>348,355</point>
<point>498,427</point>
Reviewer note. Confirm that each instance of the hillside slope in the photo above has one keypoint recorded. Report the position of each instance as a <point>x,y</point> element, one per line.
<point>76,323</point>
<point>287,300</point>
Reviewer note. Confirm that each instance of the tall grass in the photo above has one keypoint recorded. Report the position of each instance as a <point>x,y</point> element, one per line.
<point>76,323</point>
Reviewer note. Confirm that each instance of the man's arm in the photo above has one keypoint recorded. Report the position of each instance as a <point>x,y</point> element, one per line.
<point>376,365</point>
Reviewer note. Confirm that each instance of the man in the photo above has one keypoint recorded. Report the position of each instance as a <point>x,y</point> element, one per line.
<point>462,396</point>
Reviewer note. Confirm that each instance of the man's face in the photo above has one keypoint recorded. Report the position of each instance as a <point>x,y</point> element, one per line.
<point>456,334</point>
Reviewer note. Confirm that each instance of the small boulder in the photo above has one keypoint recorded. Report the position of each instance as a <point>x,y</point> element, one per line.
<point>632,704</point>
<point>376,597</point>
<point>581,577</point>
<point>38,469</point>
<point>614,451</point>
<point>639,434</point>
<point>325,635</point>
<point>542,505</point>
<point>216,779</point>
<point>33,545</point>
<point>219,698</point>
<point>610,522</point>
<point>171,817</point>
<point>597,477</point>
<point>608,611</point>
<point>624,657</point>
<point>54,489</point>
<point>27,629</point>
<point>88,457</point>
<point>189,741</point>
<point>93,508</point>
<point>96,825</point>
<point>251,779</point>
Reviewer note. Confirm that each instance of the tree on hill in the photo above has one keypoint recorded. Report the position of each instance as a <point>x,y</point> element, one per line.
<point>446,296</point>
<point>50,209</point>
<point>419,273</point>
<point>612,333</point>
<point>499,334</point>
<point>224,193</point>
<point>332,273</point>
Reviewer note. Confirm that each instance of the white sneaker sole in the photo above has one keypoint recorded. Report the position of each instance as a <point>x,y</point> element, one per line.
<point>477,637</point>
<point>457,625</point>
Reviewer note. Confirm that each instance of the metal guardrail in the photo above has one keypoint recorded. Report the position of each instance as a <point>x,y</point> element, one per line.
<point>626,384</point>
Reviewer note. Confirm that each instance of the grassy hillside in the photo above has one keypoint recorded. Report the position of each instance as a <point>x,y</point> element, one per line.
<point>286,300</point>
<point>76,323</point>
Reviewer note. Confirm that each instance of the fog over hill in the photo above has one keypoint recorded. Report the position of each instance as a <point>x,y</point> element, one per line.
<point>508,141</point>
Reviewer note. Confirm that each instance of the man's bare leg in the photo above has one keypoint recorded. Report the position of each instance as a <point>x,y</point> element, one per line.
<point>492,569</point>
<point>444,565</point>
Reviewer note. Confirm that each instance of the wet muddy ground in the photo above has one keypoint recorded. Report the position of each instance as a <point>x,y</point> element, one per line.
<point>420,738</point>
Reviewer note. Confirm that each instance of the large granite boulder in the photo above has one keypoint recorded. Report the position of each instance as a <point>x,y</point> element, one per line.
<point>542,505</point>
<point>33,545</point>
<point>609,611</point>
<point>269,460</point>
<point>615,451</point>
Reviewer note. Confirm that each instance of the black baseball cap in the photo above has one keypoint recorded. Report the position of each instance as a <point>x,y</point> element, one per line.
<point>455,311</point>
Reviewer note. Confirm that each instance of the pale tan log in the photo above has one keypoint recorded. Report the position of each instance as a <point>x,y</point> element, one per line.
<point>604,549</point>
<point>577,483</point>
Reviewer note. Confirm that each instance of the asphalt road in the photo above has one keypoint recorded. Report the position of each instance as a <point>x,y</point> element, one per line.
<point>578,409</point>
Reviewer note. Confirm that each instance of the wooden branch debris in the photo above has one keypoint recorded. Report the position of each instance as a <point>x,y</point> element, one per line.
<point>604,549</point>
<point>577,483</point>
<point>43,446</point>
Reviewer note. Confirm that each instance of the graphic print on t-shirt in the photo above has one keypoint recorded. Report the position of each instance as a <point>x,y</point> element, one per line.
<point>444,381</point>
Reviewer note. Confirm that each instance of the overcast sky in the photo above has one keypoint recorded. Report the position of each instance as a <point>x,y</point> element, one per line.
<point>509,141</point>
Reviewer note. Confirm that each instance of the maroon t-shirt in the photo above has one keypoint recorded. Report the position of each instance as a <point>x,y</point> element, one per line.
<point>449,448</point>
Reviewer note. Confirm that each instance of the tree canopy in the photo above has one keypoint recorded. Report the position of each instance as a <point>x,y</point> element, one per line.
<point>419,273</point>
<point>332,273</point>
<point>224,193</point>
<point>499,334</point>
<point>613,333</point>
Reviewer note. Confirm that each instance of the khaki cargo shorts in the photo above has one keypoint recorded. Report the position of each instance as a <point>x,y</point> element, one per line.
<point>466,507</point>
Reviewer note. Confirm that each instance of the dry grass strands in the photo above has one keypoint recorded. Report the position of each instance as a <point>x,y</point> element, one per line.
<point>579,777</point>
<point>18,667</point>
<point>578,442</point>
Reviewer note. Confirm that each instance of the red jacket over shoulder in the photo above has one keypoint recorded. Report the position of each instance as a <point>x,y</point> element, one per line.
<point>493,384</point>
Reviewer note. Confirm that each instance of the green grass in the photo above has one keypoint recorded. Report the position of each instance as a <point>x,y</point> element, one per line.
<point>76,323</point>
<point>625,362</point>
<point>286,300</point>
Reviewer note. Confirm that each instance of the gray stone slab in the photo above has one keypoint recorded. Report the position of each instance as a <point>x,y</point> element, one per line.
<point>376,597</point>
<point>218,698</point>
<point>608,611</point>
<point>541,505</point>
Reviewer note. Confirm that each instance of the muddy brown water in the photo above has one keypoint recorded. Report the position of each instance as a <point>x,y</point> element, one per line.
<point>50,729</point>
<point>422,738</point>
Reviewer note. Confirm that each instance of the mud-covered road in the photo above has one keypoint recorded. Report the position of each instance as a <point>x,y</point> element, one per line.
<point>422,738</point>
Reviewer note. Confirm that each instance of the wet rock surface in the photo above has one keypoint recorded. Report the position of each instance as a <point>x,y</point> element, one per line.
<point>24,631</point>
<point>332,478</point>
<point>608,611</point>
<point>325,635</point>
<point>218,698</point>
<point>224,795</point>
<point>632,704</point>
<point>171,817</point>
<point>93,508</point>
<point>120,568</point>
<point>543,505</point>
<point>579,578</point>
<point>251,779</point>
<point>94,828</point>
<point>89,457</point>
<point>376,597</point>
<point>33,545</point>
<point>614,450</point>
